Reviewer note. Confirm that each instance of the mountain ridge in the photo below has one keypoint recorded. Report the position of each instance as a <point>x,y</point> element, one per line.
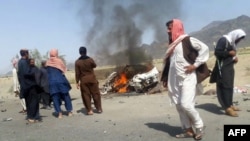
<point>208,34</point>
<point>214,30</point>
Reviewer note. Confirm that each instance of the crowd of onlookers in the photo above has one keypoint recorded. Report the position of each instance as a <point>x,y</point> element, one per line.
<point>47,85</point>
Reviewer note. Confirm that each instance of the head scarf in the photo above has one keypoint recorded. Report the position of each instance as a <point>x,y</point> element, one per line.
<point>55,61</point>
<point>177,36</point>
<point>234,35</point>
<point>177,29</point>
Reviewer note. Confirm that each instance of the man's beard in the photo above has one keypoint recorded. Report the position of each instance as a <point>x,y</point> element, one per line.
<point>170,38</point>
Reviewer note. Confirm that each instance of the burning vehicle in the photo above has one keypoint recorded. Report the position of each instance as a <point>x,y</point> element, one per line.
<point>145,81</point>
<point>131,78</point>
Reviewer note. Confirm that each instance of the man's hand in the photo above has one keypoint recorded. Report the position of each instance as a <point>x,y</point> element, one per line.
<point>78,85</point>
<point>165,84</point>
<point>232,53</point>
<point>235,59</point>
<point>190,68</point>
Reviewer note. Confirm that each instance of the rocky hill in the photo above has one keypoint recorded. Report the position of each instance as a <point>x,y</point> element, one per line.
<point>213,31</point>
<point>208,34</point>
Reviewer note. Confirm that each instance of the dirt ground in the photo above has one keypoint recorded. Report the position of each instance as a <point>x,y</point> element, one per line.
<point>126,117</point>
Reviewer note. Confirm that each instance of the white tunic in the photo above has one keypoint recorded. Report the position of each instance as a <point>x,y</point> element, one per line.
<point>15,80</point>
<point>181,84</point>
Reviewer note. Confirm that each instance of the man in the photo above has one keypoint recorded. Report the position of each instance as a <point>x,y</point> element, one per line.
<point>16,87</point>
<point>32,92</point>
<point>179,76</point>
<point>23,67</point>
<point>45,95</point>
<point>225,52</point>
<point>87,82</point>
<point>59,86</point>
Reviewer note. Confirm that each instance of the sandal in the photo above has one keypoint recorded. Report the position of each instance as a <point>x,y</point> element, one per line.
<point>235,108</point>
<point>199,133</point>
<point>38,120</point>
<point>184,135</point>
<point>23,111</point>
<point>31,120</point>
<point>188,133</point>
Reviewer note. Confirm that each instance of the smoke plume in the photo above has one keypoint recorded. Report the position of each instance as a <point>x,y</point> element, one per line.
<point>118,26</point>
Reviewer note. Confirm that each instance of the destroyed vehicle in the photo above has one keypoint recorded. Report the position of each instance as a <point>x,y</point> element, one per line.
<point>128,81</point>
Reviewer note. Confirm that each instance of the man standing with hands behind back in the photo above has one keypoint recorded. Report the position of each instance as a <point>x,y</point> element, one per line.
<point>87,82</point>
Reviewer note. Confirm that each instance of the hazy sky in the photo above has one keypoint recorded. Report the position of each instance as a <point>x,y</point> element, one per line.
<point>64,24</point>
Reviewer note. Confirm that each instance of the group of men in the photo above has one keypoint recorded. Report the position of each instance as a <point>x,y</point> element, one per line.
<point>183,58</point>
<point>33,85</point>
<point>49,83</point>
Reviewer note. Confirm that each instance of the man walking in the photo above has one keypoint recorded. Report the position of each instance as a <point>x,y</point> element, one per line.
<point>179,76</point>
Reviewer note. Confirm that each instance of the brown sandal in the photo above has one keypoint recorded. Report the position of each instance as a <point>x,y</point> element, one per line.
<point>229,111</point>
<point>188,133</point>
<point>23,111</point>
<point>235,108</point>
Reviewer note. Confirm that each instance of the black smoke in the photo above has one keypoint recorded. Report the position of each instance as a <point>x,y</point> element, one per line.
<point>115,36</point>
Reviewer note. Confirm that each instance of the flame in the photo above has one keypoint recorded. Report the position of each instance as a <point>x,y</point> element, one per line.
<point>120,83</point>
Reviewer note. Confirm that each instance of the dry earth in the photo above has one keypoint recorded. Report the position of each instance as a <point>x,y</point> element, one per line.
<point>126,117</point>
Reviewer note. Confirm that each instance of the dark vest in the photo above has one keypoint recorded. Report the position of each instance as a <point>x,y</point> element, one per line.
<point>190,55</point>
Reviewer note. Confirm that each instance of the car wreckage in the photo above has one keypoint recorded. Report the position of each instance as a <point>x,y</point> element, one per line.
<point>140,83</point>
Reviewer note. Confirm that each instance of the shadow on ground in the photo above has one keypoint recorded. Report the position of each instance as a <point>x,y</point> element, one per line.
<point>171,130</point>
<point>82,110</point>
<point>212,108</point>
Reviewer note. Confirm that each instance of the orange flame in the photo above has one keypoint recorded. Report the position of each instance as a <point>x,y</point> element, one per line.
<point>120,83</point>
